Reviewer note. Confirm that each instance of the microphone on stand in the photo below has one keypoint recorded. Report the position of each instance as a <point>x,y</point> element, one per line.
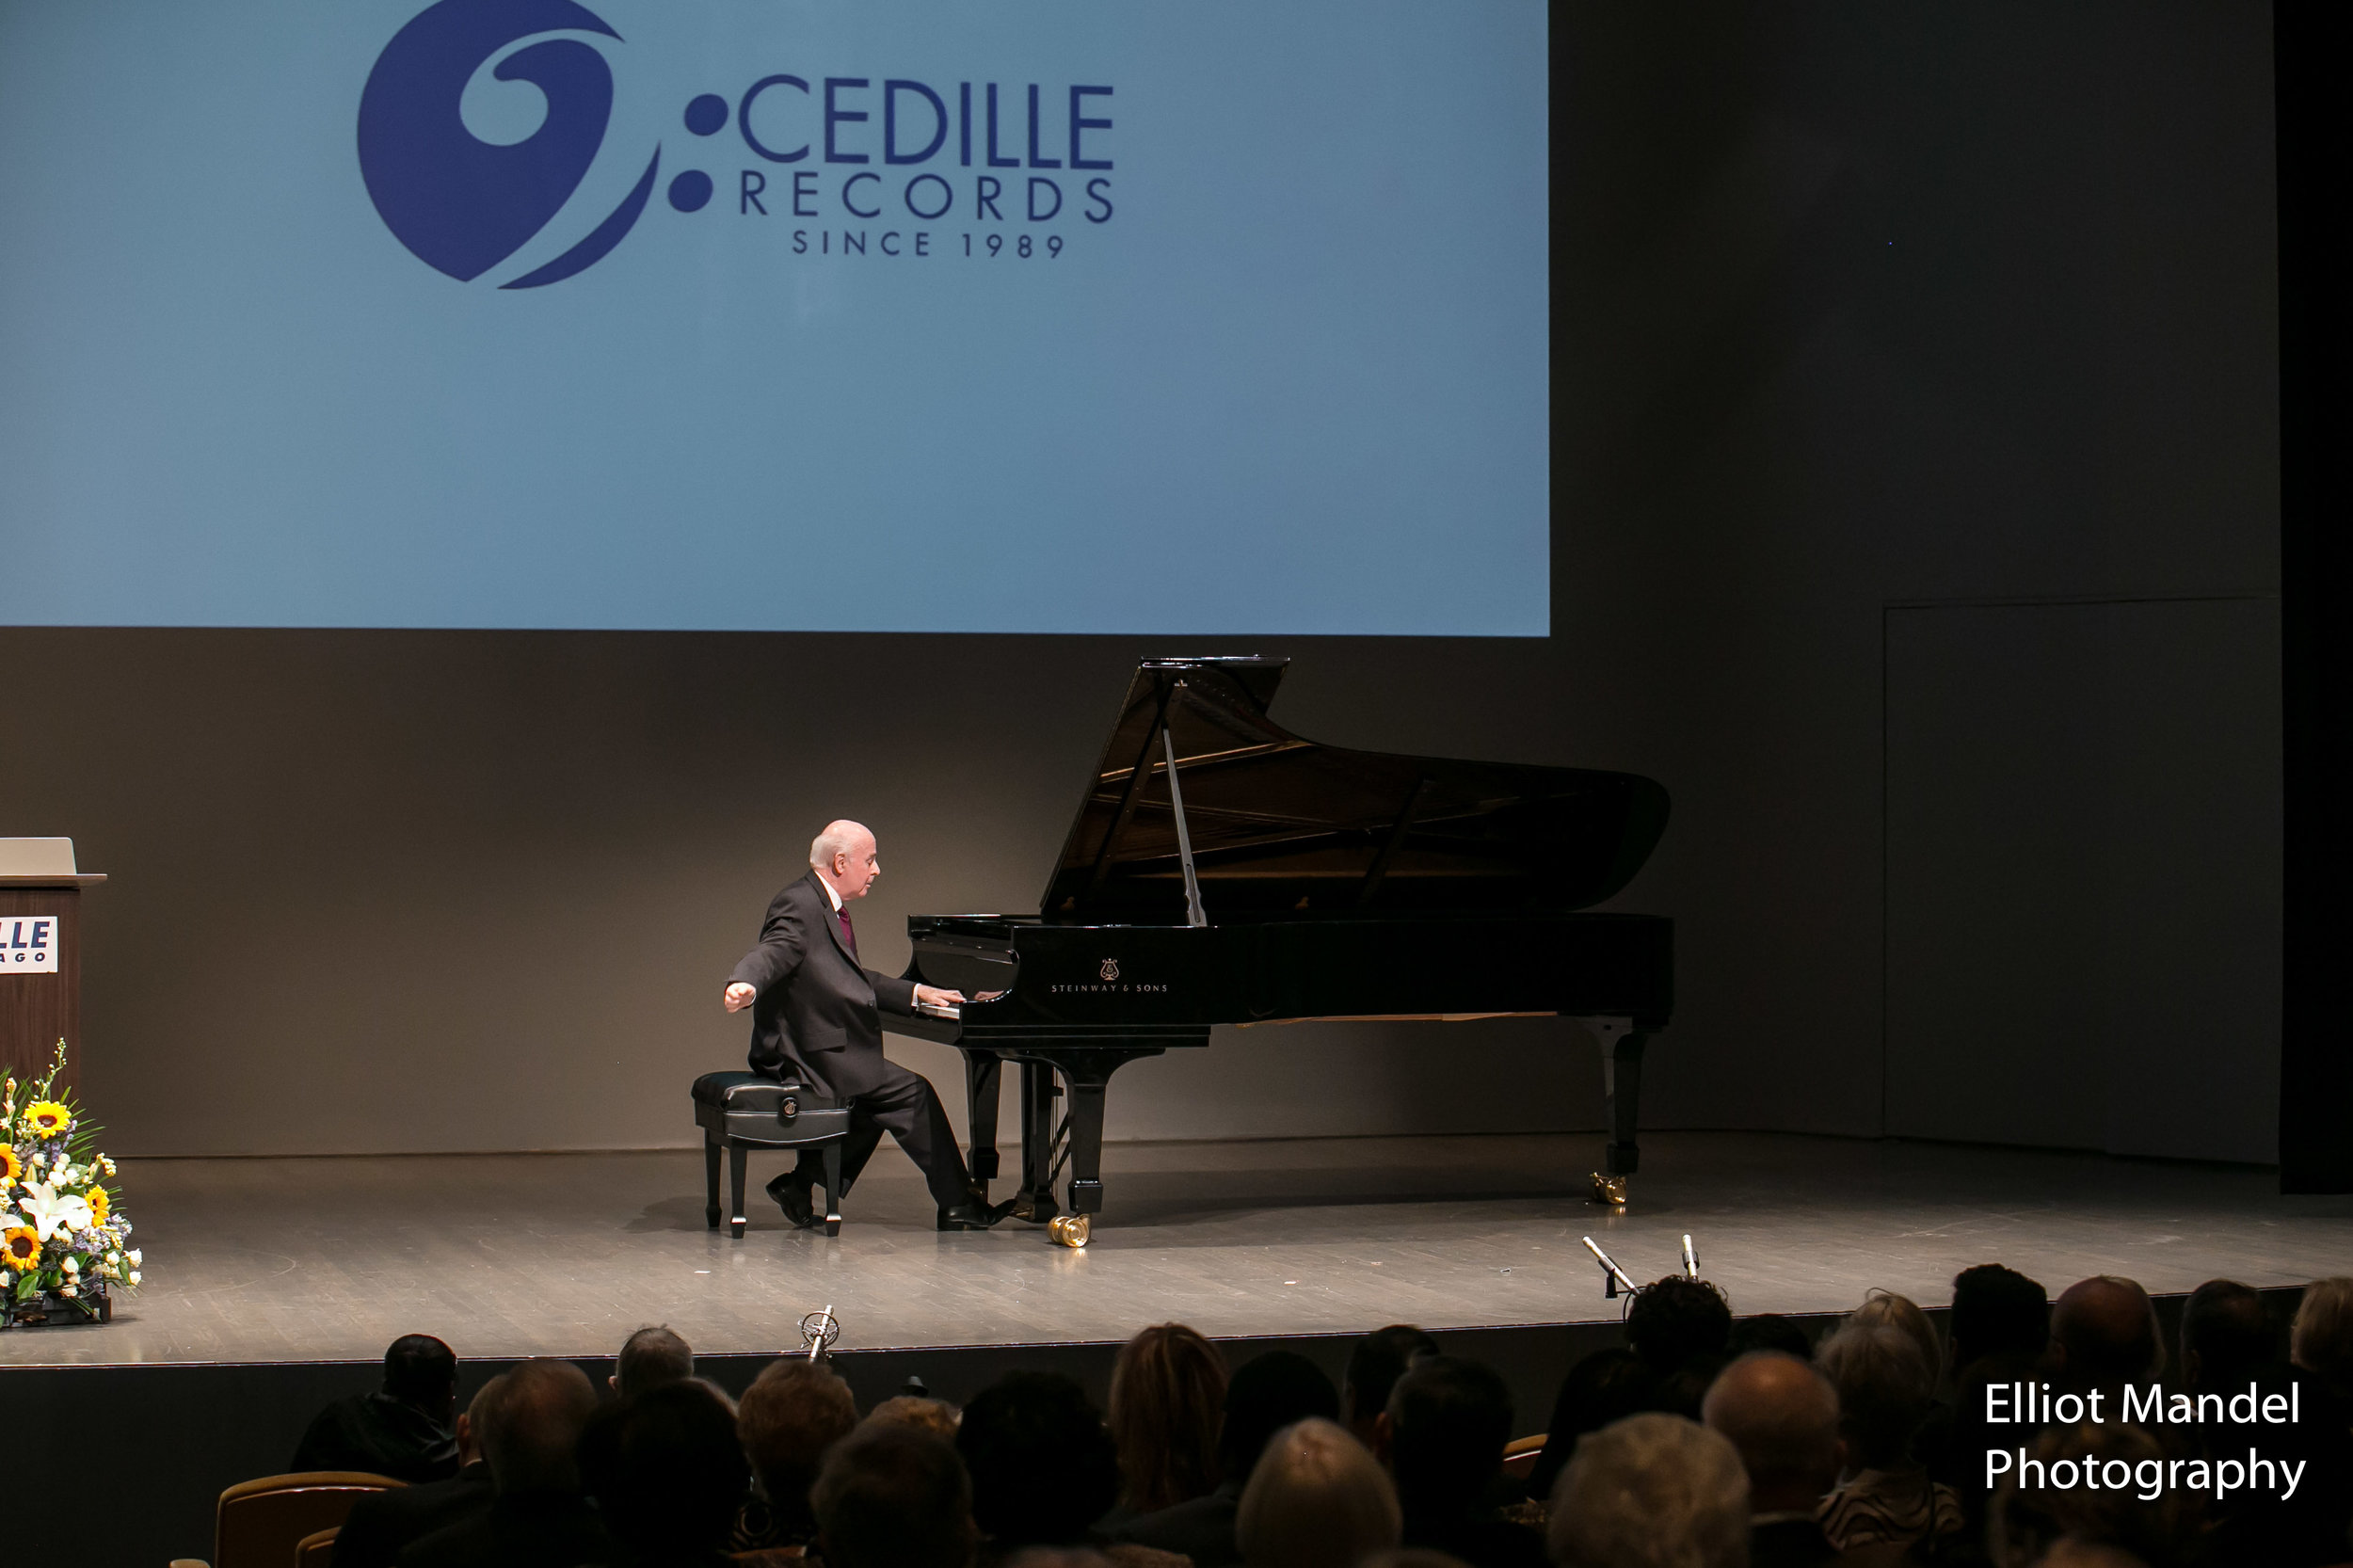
<point>1690,1259</point>
<point>1611,1275</point>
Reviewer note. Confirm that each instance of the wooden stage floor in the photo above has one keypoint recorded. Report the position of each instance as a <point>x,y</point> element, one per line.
<point>508,1255</point>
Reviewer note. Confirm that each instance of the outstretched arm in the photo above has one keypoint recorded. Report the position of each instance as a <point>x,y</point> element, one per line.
<point>783,941</point>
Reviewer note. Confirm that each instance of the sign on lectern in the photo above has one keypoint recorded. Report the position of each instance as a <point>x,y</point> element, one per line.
<point>41,953</point>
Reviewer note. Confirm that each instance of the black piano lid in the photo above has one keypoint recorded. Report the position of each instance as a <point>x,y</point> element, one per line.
<point>1283,827</point>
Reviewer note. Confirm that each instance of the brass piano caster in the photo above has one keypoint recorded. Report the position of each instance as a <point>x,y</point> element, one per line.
<point>1609,1190</point>
<point>1072,1230</point>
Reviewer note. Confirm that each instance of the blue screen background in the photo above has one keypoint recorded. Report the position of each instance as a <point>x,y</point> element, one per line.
<point>1297,383</point>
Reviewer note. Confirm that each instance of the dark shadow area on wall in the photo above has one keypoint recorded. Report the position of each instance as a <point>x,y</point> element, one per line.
<point>2314,44</point>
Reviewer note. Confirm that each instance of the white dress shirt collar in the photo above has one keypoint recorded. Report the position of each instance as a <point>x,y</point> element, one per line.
<point>831,897</point>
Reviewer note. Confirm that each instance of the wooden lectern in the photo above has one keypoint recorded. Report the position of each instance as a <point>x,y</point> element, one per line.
<point>40,956</point>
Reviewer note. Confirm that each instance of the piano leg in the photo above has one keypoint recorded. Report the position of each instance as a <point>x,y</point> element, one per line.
<point>1035,1201</point>
<point>1086,1138</point>
<point>1622,1079</point>
<point>1622,1095</point>
<point>1088,1073</point>
<point>981,1069</point>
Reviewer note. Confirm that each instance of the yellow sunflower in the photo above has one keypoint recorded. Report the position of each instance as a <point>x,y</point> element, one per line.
<point>20,1246</point>
<point>46,1118</point>
<point>99,1204</point>
<point>10,1167</point>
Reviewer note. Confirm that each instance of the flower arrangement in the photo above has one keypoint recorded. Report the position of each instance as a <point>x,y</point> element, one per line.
<point>61,1232</point>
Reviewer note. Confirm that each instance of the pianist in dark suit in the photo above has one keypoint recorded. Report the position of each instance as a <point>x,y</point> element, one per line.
<point>816,1016</point>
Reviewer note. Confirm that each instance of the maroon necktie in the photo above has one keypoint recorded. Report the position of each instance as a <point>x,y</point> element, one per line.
<point>849,937</point>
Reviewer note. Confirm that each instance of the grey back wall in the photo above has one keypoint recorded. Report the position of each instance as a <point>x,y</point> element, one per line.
<point>1860,315</point>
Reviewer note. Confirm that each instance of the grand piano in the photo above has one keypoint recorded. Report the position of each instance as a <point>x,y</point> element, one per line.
<point>1223,871</point>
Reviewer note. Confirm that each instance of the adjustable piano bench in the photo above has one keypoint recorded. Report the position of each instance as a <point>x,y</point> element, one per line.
<point>741,1112</point>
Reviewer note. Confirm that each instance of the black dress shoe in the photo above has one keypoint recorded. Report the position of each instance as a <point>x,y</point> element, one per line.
<point>968,1216</point>
<point>792,1195</point>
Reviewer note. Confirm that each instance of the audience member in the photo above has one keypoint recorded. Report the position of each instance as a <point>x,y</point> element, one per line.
<point>1044,1470</point>
<point>1375,1362</point>
<point>1058,1557</point>
<point>794,1410</point>
<point>2226,1336</point>
<point>1443,1437</point>
<point>936,1416</point>
<point>1770,1331</point>
<point>1168,1390</point>
<point>2103,1336</point>
<point>1412,1557</point>
<point>1653,1491</point>
<point>893,1495</point>
<point>668,1474</point>
<point>2311,1526</point>
<point>1316,1499</point>
<point>2027,1522</point>
<point>1885,1495</point>
<point>2321,1340</point>
<point>1680,1328</point>
<point>1605,1387</point>
<point>1998,1312</point>
<point>401,1430</point>
<point>531,1430</point>
<point>381,1523</point>
<point>1266,1394</point>
<point>2000,1328</point>
<point>1902,1312</point>
<point>650,1359</point>
<point>1781,1417</point>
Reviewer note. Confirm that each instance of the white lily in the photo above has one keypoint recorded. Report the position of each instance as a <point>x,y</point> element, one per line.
<point>52,1212</point>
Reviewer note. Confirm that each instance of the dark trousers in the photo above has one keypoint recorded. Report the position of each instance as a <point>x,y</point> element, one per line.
<point>905,1106</point>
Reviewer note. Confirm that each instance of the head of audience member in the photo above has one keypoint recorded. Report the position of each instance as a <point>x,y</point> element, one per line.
<point>1885,1307</point>
<point>2103,1334</point>
<point>1267,1393</point>
<point>650,1359</point>
<point>668,1472</point>
<point>1413,1557</point>
<point>1375,1362</point>
<point>791,1413</point>
<point>2321,1340</point>
<point>531,1426</point>
<point>2226,1336</point>
<point>469,1428</point>
<point>1058,1557</point>
<point>1782,1416</point>
<point>1316,1501</point>
<point>1884,1385</point>
<point>1043,1466</point>
<point>1168,1395</point>
<point>2000,1313</point>
<point>1605,1387</point>
<point>936,1416</point>
<point>1443,1435</point>
<point>1653,1491</point>
<point>893,1495</point>
<point>1676,1322</point>
<point>1770,1331</point>
<point>421,1372</point>
<point>2028,1521</point>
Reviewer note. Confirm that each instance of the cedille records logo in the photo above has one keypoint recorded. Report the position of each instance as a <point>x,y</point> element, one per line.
<point>464,203</point>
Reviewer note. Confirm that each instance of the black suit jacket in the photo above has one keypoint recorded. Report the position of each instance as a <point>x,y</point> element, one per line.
<point>818,1016</point>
